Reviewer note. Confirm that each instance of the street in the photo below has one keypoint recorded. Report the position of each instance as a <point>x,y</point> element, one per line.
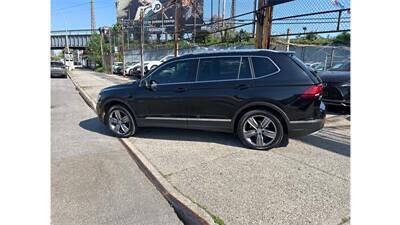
<point>93,178</point>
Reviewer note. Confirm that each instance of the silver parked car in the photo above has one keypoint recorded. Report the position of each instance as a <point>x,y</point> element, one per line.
<point>58,69</point>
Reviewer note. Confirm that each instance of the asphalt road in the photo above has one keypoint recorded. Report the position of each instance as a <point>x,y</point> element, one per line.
<point>93,178</point>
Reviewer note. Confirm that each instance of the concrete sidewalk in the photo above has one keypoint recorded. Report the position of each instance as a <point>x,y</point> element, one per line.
<point>307,182</point>
<point>93,179</point>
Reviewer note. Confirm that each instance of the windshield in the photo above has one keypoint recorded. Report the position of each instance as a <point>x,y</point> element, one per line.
<point>166,58</point>
<point>57,64</point>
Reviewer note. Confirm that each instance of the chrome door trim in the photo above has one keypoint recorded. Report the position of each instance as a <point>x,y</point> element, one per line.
<point>187,119</point>
<point>208,81</point>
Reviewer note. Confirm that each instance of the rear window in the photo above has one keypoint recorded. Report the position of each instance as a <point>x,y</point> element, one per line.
<point>306,69</point>
<point>263,66</point>
<point>215,69</point>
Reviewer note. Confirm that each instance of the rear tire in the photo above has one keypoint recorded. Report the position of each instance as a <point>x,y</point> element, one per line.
<point>261,130</point>
<point>120,121</point>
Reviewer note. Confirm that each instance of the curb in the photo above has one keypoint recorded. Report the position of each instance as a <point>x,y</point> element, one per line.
<point>187,211</point>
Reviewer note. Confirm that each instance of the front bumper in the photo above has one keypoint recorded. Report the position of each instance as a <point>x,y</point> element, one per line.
<point>303,128</point>
<point>336,95</point>
<point>100,111</point>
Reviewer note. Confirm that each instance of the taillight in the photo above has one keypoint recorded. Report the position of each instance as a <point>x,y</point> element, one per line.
<point>313,91</point>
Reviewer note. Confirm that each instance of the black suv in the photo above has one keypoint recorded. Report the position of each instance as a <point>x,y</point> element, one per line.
<point>263,96</point>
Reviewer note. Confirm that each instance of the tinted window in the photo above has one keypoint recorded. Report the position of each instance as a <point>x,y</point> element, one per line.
<point>263,66</point>
<point>175,72</point>
<point>218,69</point>
<point>245,72</point>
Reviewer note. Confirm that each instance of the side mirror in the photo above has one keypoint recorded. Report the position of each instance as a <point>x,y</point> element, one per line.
<point>153,85</point>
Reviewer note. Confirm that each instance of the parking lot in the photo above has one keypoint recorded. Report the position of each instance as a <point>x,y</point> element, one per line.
<point>307,182</point>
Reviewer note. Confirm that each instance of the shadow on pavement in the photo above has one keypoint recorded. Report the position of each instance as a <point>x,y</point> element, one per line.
<point>173,134</point>
<point>326,139</point>
<point>329,141</point>
<point>94,125</point>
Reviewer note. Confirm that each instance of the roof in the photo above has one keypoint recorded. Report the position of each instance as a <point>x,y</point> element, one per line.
<point>233,52</point>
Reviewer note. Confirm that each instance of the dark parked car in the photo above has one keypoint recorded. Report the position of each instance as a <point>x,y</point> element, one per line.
<point>58,69</point>
<point>262,96</point>
<point>337,85</point>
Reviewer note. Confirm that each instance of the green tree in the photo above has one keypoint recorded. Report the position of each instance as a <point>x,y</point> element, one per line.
<point>202,36</point>
<point>94,49</point>
<point>343,38</point>
<point>242,36</point>
<point>58,57</point>
<point>311,37</point>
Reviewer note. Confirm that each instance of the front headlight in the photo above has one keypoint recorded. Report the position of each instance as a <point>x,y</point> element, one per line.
<point>98,97</point>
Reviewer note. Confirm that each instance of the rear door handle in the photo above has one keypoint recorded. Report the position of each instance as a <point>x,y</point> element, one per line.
<point>242,86</point>
<point>180,89</point>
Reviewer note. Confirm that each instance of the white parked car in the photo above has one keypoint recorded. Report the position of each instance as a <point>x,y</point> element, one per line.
<point>134,70</point>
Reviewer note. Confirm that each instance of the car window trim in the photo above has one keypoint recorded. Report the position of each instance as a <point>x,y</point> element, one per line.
<point>240,67</point>
<point>207,57</point>
<point>270,74</point>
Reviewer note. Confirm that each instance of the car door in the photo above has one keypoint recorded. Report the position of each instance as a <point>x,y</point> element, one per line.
<point>221,85</point>
<point>164,103</point>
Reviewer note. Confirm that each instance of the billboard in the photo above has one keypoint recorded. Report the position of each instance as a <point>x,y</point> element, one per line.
<point>129,10</point>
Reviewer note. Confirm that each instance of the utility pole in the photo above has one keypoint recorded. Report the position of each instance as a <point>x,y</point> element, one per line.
<point>101,48</point>
<point>123,50</point>
<point>259,27</point>
<point>267,28</point>
<point>212,11</point>
<point>177,26</point>
<point>142,42</point>
<point>111,51</point>
<point>223,16</point>
<point>219,17</point>
<point>233,13</point>
<point>92,17</point>
<point>264,24</point>
<point>287,40</point>
<point>194,20</point>
<point>254,18</point>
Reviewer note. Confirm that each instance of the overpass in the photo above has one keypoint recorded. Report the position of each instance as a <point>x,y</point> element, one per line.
<point>77,39</point>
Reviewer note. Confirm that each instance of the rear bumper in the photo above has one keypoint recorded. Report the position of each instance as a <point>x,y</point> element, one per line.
<point>303,128</point>
<point>337,102</point>
<point>58,74</point>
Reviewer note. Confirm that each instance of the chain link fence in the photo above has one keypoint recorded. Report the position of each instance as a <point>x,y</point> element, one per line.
<point>308,28</point>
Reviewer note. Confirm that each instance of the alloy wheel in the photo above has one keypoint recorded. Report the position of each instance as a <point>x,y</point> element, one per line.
<point>259,131</point>
<point>119,122</point>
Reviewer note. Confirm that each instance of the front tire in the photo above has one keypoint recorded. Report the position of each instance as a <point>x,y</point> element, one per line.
<point>259,129</point>
<point>120,121</point>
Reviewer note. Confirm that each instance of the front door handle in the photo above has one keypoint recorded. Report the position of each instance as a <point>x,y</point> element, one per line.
<point>180,89</point>
<point>242,86</point>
